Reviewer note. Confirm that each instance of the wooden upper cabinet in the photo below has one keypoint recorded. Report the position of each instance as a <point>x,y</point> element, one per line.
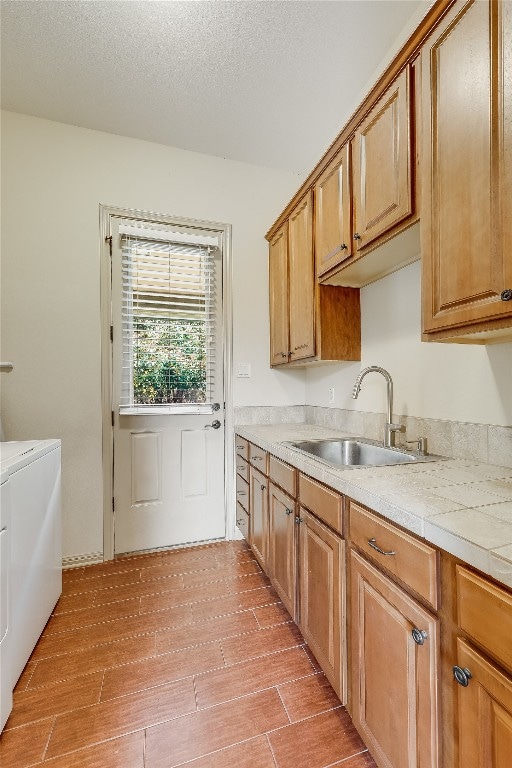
<point>301,280</point>
<point>333,213</point>
<point>308,322</point>
<point>278,283</point>
<point>466,223</point>
<point>383,164</point>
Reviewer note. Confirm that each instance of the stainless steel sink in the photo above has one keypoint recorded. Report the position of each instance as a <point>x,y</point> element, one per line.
<point>358,452</point>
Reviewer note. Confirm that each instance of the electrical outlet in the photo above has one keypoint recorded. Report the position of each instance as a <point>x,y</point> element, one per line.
<point>331,395</point>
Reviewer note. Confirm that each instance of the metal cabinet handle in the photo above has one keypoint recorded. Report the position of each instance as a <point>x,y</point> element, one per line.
<point>241,493</point>
<point>299,520</point>
<point>242,469</point>
<point>506,295</point>
<point>357,236</point>
<point>263,487</point>
<point>239,447</point>
<point>419,636</point>
<point>256,458</point>
<point>462,676</point>
<point>343,247</point>
<point>373,544</point>
<point>288,511</point>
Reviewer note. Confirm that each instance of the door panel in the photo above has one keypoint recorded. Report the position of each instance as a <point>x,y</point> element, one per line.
<point>466,222</point>
<point>169,482</point>
<point>333,214</point>
<point>258,516</point>
<point>382,164</point>
<point>168,461</point>
<point>278,284</point>
<point>322,597</point>
<point>282,549</point>
<point>394,680</point>
<point>485,713</point>
<point>302,281</point>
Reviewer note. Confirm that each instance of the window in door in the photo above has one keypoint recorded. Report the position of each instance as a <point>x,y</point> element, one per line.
<point>168,310</point>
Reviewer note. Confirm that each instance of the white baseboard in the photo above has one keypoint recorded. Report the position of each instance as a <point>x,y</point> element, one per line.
<point>75,561</point>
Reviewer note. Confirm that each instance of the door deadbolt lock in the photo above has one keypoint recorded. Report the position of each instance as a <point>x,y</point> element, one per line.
<point>215,406</point>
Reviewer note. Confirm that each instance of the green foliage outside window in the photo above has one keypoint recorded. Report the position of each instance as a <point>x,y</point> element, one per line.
<point>169,361</point>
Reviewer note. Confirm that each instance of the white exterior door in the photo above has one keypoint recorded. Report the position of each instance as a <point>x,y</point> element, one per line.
<point>168,385</point>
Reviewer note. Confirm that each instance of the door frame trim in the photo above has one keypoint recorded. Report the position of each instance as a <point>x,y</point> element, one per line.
<point>106,213</point>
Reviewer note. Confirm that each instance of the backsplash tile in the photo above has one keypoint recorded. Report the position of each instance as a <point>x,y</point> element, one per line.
<point>270,414</point>
<point>500,446</point>
<point>459,440</point>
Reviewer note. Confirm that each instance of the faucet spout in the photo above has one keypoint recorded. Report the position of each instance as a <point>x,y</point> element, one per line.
<point>390,428</point>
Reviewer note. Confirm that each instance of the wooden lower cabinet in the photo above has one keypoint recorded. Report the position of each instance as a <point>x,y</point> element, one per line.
<point>258,516</point>
<point>322,597</point>
<point>282,548</point>
<point>484,712</point>
<point>393,676</point>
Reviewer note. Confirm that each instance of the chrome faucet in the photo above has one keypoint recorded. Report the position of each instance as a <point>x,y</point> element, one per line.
<point>390,429</point>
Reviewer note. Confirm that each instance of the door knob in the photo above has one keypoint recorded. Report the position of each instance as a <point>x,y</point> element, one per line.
<point>214,425</point>
<point>506,295</point>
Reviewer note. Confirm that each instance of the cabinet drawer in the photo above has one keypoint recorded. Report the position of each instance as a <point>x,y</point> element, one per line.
<point>283,475</point>
<point>242,492</point>
<point>485,613</point>
<point>411,561</point>
<point>242,468</point>
<point>324,503</point>
<point>242,521</point>
<point>241,447</point>
<point>258,458</point>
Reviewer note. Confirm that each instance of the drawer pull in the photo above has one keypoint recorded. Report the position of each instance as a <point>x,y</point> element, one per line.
<point>256,458</point>
<point>462,676</point>
<point>240,447</point>
<point>373,544</point>
<point>299,520</point>
<point>241,493</point>
<point>263,487</point>
<point>419,636</point>
<point>241,469</point>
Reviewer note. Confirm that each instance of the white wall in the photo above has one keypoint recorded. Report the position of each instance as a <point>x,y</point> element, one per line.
<point>458,382</point>
<point>54,178</point>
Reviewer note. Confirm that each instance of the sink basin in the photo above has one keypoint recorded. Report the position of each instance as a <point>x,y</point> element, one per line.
<point>356,452</point>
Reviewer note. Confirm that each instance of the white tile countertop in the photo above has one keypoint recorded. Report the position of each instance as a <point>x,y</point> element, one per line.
<point>461,506</point>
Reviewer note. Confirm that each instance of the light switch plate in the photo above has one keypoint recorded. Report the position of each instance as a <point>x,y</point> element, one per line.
<point>243,371</point>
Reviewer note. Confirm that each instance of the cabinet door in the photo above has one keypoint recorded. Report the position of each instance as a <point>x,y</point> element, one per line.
<point>394,680</point>
<point>485,713</point>
<point>301,281</point>
<point>282,549</point>
<point>258,516</point>
<point>278,285</point>
<point>333,214</point>
<point>322,598</point>
<point>383,164</point>
<point>466,220</point>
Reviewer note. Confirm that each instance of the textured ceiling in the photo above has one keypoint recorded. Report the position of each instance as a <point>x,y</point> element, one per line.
<point>266,82</point>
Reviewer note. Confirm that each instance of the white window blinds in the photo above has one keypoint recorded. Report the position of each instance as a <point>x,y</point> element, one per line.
<point>168,321</point>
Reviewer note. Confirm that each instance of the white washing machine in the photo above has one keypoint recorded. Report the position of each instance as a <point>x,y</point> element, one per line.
<point>35,567</point>
<point>6,684</point>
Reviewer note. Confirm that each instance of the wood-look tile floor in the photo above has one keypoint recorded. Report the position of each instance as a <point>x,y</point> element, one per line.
<point>175,658</point>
